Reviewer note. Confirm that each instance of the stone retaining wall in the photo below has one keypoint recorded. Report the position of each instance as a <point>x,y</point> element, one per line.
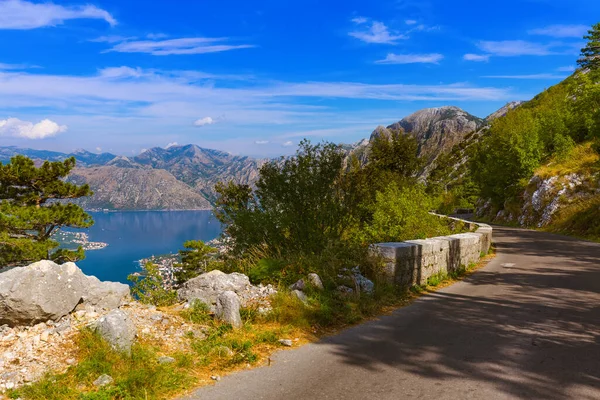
<point>414,261</point>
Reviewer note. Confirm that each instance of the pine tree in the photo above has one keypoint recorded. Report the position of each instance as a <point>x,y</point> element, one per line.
<point>590,54</point>
<point>31,211</point>
<point>194,260</point>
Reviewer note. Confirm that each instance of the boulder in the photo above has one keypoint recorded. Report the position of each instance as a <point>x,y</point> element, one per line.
<point>315,281</point>
<point>207,287</point>
<point>45,291</point>
<point>103,380</point>
<point>38,292</point>
<point>299,285</point>
<point>117,329</point>
<point>228,309</point>
<point>104,295</point>
<point>300,295</point>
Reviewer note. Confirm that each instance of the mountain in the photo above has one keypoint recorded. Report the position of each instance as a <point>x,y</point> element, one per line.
<point>437,130</point>
<point>502,111</point>
<point>202,168</point>
<point>83,157</point>
<point>136,189</point>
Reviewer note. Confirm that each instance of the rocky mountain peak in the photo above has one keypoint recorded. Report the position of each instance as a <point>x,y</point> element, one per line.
<point>437,130</point>
<point>502,111</point>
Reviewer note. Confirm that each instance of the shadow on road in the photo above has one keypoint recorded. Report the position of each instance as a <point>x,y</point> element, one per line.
<point>532,325</point>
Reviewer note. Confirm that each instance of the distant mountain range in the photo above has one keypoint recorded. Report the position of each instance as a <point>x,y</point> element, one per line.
<point>183,177</point>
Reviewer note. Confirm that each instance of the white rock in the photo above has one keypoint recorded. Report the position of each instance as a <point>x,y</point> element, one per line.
<point>315,281</point>
<point>228,309</point>
<point>117,329</point>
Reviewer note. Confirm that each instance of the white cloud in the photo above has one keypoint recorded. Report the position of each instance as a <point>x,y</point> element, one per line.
<point>476,57</point>
<point>561,31</point>
<point>512,48</point>
<point>288,143</point>
<point>172,144</point>
<point>261,142</point>
<point>530,76</point>
<point>392,58</point>
<point>158,101</point>
<point>568,68</point>
<point>191,45</point>
<point>98,149</point>
<point>156,36</point>
<point>112,39</point>
<point>204,121</point>
<point>410,22</point>
<point>20,14</point>
<point>24,129</point>
<point>121,72</point>
<point>4,66</point>
<point>359,20</point>
<point>377,33</point>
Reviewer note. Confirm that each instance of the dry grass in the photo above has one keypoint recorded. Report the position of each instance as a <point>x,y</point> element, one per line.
<point>582,159</point>
<point>223,350</point>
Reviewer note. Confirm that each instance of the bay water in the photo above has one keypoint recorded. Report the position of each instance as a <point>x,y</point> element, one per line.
<point>133,235</point>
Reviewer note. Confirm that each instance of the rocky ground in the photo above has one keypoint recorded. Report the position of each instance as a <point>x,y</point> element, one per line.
<point>40,321</point>
<point>28,352</point>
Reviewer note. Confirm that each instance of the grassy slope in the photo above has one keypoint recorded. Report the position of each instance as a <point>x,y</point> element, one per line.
<point>579,217</point>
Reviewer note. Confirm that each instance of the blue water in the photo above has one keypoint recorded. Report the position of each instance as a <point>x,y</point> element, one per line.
<point>133,235</point>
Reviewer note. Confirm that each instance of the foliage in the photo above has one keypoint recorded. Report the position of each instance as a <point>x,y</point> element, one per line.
<point>31,211</point>
<point>195,260</point>
<point>319,210</point>
<point>590,54</point>
<point>395,154</point>
<point>148,288</point>
<point>298,206</point>
<point>509,154</point>
<point>401,214</point>
<point>267,270</point>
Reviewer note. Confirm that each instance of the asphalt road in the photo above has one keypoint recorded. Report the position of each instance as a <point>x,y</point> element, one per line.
<point>527,326</point>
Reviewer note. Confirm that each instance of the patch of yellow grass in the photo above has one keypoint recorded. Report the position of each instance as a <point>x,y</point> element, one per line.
<point>582,159</point>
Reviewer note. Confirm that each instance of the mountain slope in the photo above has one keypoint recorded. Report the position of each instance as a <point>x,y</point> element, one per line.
<point>136,189</point>
<point>202,168</point>
<point>83,157</point>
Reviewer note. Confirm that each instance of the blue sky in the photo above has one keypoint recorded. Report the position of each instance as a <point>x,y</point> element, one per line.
<point>256,77</point>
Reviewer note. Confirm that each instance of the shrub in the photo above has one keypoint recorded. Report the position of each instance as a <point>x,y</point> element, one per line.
<point>402,214</point>
<point>195,260</point>
<point>149,288</point>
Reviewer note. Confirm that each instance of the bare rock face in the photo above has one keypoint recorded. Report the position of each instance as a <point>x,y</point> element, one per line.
<point>46,291</point>
<point>104,295</point>
<point>228,309</point>
<point>502,111</point>
<point>117,329</point>
<point>39,292</point>
<point>207,287</point>
<point>436,129</point>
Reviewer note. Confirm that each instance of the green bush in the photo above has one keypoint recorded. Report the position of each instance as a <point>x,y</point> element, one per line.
<point>148,288</point>
<point>402,214</point>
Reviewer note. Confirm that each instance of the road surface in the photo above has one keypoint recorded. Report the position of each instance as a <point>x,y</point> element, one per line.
<point>527,326</point>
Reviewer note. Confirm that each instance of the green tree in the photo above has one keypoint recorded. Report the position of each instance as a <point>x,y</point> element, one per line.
<point>510,153</point>
<point>299,204</point>
<point>395,154</point>
<point>590,54</point>
<point>149,287</point>
<point>31,210</point>
<point>195,260</point>
<point>401,214</point>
